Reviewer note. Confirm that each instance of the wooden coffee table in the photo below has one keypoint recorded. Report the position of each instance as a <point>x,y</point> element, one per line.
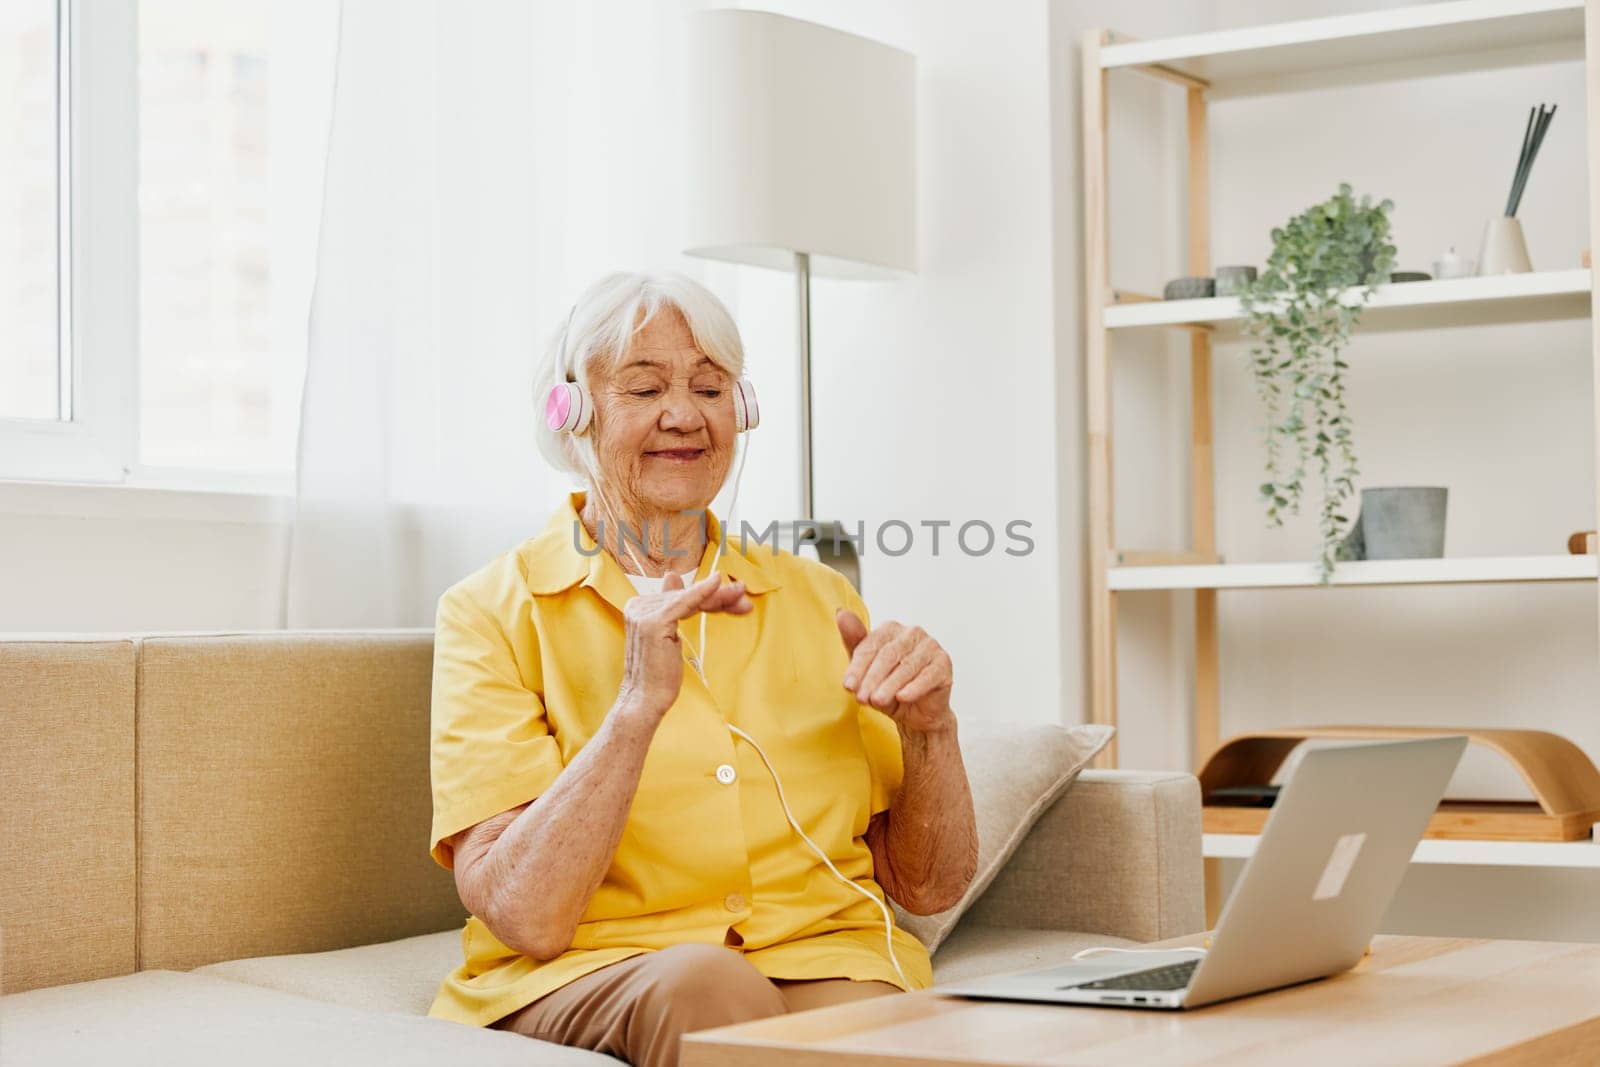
<point>1412,1000</point>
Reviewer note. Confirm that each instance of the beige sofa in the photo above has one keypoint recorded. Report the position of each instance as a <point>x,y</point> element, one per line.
<point>213,848</point>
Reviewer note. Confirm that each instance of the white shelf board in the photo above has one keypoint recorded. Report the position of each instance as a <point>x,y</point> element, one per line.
<point>1397,42</point>
<point>1584,853</point>
<point>1359,572</point>
<point>1479,301</point>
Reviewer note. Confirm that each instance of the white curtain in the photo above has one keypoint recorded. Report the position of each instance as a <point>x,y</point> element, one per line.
<point>485,162</point>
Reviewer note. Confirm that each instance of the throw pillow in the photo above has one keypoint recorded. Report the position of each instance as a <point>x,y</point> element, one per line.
<point>1015,773</point>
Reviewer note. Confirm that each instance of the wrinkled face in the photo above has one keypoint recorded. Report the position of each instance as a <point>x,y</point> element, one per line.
<point>664,432</point>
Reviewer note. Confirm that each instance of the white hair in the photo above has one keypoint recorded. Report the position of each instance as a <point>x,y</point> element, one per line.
<point>596,335</point>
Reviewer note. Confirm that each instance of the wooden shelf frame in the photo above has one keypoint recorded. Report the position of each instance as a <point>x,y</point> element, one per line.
<point>1423,39</point>
<point>1098,295</point>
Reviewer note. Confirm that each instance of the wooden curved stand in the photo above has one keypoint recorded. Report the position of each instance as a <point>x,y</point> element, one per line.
<point>1564,782</point>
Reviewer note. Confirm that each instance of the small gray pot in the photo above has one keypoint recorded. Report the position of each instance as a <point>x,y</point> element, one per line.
<point>1189,288</point>
<point>1232,280</point>
<point>1398,522</point>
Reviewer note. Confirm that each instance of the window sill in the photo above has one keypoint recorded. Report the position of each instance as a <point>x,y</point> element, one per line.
<point>83,500</point>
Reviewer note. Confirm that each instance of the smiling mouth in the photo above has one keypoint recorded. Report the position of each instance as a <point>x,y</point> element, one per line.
<point>680,455</point>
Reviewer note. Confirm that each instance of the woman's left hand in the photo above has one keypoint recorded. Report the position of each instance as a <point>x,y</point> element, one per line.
<point>900,670</point>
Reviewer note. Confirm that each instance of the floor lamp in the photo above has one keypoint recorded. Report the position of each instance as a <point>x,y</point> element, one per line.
<point>801,155</point>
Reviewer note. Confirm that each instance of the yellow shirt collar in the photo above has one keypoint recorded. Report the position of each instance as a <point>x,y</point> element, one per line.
<point>554,563</point>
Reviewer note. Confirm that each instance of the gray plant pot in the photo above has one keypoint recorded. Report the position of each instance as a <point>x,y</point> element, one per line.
<point>1398,522</point>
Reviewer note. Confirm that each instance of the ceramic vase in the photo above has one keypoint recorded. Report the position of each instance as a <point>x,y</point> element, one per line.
<point>1504,251</point>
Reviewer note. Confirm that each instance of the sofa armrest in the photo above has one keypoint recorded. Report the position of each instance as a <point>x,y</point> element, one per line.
<point>1118,854</point>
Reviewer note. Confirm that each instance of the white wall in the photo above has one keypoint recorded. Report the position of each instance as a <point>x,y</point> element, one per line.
<point>80,559</point>
<point>901,368</point>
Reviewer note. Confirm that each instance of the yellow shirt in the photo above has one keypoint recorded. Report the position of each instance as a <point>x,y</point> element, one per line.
<point>527,662</point>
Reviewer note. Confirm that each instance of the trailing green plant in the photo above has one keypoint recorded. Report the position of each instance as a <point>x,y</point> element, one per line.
<point>1324,267</point>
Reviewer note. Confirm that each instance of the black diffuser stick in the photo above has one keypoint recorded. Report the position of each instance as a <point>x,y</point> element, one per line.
<point>1522,156</point>
<point>1527,161</point>
<point>1538,141</point>
<point>1540,125</point>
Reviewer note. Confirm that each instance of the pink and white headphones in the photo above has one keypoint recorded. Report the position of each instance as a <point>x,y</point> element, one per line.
<point>568,408</point>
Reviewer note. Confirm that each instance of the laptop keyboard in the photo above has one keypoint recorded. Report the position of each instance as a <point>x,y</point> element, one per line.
<point>1175,976</point>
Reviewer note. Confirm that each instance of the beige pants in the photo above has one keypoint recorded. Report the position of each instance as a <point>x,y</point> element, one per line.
<point>636,1010</point>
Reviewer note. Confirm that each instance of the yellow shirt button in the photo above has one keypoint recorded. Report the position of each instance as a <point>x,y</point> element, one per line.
<point>733,902</point>
<point>726,774</point>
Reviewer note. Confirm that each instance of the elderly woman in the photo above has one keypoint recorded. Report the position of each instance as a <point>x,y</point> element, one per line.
<point>647,850</point>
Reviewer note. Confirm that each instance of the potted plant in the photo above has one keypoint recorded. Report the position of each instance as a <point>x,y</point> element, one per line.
<point>1324,266</point>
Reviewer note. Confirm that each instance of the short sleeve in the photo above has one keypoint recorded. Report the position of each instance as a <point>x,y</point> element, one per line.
<point>879,734</point>
<point>491,744</point>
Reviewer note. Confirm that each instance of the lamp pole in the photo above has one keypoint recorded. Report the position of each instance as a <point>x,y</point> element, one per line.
<point>802,274</point>
<point>833,547</point>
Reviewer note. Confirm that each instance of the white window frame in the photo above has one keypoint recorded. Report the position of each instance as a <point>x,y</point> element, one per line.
<point>98,117</point>
<point>97,55</point>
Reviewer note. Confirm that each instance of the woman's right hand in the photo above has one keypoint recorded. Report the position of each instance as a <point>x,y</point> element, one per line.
<point>652,664</point>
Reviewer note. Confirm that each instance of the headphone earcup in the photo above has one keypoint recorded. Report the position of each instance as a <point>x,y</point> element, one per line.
<point>567,408</point>
<point>746,411</point>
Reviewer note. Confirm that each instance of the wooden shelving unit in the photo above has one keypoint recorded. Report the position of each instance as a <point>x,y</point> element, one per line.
<point>1417,41</point>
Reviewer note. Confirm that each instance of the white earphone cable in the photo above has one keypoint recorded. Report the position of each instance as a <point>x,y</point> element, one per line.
<point>1090,953</point>
<point>888,922</point>
<point>697,660</point>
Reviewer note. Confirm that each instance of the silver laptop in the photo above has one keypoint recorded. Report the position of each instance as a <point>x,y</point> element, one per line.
<point>1334,849</point>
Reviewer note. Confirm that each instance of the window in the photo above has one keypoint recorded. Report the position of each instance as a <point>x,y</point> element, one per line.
<point>159,202</point>
<point>30,372</point>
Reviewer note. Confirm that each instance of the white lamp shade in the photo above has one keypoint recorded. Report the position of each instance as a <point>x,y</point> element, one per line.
<point>799,138</point>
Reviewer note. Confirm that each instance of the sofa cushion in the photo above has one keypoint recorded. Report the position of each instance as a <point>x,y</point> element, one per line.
<point>1015,773</point>
<point>283,795</point>
<point>66,817</point>
<point>173,1019</point>
<point>402,976</point>
<point>399,976</point>
<point>973,951</point>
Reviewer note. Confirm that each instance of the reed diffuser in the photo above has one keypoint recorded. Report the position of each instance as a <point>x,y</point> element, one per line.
<point>1504,251</point>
